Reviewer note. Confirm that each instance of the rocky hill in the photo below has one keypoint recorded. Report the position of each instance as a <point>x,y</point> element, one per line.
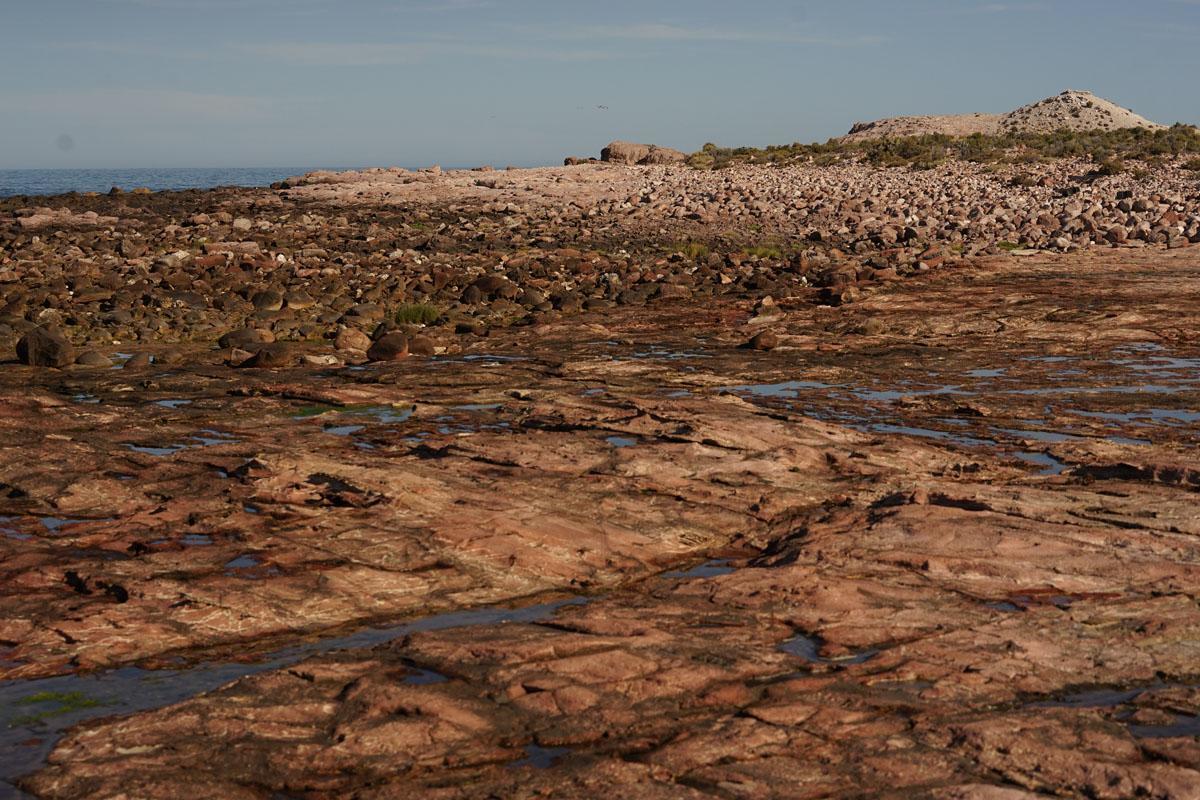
<point>1071,110</point>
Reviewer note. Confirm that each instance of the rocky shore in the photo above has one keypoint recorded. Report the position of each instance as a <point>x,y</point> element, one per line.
<point>328,256</point>
<point>761,482</point>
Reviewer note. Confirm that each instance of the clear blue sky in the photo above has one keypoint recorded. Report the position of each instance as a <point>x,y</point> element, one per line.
<point>127,83</point>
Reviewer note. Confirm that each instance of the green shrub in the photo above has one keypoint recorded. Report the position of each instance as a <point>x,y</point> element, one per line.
<point>417,314</point>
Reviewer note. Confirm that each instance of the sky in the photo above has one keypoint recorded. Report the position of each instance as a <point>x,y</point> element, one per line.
<point>204,83</point>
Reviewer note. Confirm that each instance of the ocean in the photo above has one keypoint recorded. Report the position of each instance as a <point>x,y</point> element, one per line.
<point>61,181</point>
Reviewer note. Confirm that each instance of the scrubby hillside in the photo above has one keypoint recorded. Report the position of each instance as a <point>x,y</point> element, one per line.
<point>1136,148</point>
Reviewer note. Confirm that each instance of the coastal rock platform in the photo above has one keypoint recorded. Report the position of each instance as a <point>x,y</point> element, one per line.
<point>591,529</point>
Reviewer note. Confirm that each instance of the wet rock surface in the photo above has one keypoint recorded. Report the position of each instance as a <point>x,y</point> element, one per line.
<point>937,539</point>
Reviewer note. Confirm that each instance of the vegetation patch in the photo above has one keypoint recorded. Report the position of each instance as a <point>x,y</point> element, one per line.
<point>53,704</point>
<point>924,152</point>
<point>693,250</point>
<point>764,251</point>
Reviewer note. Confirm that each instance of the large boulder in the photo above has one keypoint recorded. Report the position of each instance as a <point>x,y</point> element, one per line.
<point>664,155</point>
<point>44,348</point>
<point>624,153</point>
<point>390,347</point>
<point>632,153</point>
<point>273,356</point>
<point>246,338</point>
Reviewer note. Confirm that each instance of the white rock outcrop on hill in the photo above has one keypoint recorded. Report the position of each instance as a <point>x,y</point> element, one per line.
<point>1071,110</point>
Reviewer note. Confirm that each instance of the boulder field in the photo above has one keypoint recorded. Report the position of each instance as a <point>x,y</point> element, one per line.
<point>329,261</point>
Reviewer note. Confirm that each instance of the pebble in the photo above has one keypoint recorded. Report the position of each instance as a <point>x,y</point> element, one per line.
<point>93,358</point>
<point>137,361</point>
<point>351,339</point>
<point>764,340</point>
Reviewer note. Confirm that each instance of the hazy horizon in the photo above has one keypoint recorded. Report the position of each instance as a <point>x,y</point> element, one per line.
<point>115,84</point>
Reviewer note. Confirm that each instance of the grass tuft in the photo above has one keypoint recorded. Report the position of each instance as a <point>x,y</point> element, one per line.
<point>693,250</point>
<point>764,251</point>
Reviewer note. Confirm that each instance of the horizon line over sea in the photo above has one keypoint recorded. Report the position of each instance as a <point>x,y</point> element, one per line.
<point>58,181</point>
<point>63,180</point>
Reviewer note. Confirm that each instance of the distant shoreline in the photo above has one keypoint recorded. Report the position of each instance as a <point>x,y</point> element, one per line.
<point>60,181</point>
<point>55,181</point>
